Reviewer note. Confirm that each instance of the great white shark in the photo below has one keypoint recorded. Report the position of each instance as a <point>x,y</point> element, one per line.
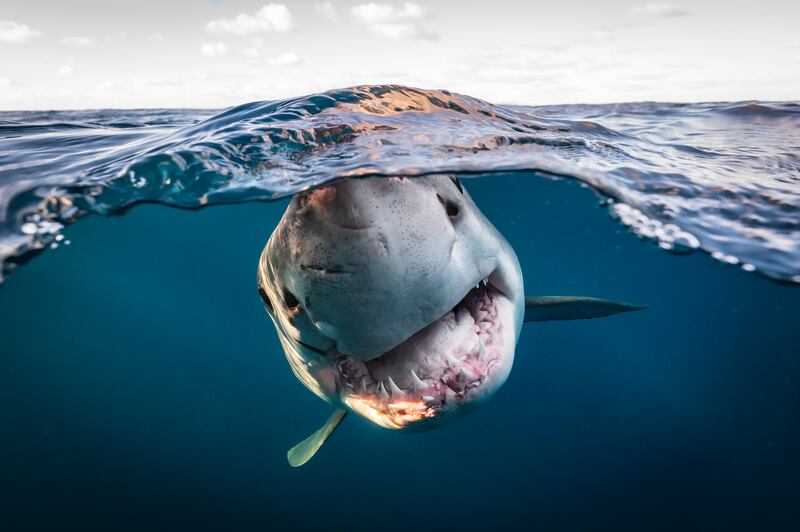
<point>396,299</point>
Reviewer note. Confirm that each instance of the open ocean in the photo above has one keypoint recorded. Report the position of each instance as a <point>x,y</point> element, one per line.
<point>143,387</point>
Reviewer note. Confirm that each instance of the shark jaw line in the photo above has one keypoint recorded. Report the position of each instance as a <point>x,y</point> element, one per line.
<point>447,364</point>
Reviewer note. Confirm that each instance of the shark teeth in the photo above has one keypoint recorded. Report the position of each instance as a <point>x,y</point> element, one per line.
<point>382,391</point>
<point>451,371</point>
<point>451,360</point>
<point>483,353</point>
<point>393,388</point>
<point>416,383</point>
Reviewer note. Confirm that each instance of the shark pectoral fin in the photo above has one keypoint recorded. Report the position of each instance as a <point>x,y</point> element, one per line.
<point>553,308</point>
<point>303,451</point>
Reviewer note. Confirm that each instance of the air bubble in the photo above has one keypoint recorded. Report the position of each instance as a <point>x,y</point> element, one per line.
<point>30,228</point>
<point>686,241</point>
<point>727,259</point>
<point>669,236</point>
<point>137,182</point>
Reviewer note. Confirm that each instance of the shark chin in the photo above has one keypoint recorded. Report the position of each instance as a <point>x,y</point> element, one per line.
<point>396,299</point>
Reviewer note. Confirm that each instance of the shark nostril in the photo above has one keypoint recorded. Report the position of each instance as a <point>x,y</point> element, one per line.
<point>449,207</point>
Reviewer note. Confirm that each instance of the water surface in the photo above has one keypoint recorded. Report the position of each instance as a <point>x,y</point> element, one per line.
<point>724,177</point>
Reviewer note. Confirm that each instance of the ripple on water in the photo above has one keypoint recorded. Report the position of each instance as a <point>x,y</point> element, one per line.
<point>724,178</point>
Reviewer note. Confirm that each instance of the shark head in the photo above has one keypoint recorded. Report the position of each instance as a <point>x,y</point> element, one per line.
<point>394,298</point>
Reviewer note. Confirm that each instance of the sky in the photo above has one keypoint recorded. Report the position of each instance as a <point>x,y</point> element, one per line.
<point>82,54</point>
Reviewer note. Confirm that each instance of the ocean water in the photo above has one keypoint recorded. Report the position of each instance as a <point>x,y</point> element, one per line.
<point>142,385</point>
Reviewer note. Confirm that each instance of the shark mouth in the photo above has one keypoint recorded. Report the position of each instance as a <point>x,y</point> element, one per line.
<point>452,361</point>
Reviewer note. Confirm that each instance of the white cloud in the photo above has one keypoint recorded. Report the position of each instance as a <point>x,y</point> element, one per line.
<point>256,44</point>
<point>373,13</point>
<point>287,59</point>
<point>271,17</point>
<point>257,49</point>
<point>391,21</point>
<point>65,70</point>
<point>14,32</point>
<point>327,10</point>
<point>78,42</point>
<point>660,9</point>
<point>214,49</point>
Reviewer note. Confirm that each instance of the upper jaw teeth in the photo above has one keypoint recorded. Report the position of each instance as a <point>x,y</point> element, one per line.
<point>482,282</point>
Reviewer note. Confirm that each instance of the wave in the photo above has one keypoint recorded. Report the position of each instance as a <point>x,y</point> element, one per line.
<point>723,177</point>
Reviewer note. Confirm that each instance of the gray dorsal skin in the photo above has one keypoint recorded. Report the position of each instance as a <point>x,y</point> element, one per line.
<point>303,451</point>
<point>543,308</point>
<point>556,308</point>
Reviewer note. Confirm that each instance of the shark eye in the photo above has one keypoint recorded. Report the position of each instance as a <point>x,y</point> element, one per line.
<point>449,207</point>
<point>290,299</point>
<point>457,182</point>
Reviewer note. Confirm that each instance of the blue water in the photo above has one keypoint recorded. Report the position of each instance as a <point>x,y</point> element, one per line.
<point>142,385</point>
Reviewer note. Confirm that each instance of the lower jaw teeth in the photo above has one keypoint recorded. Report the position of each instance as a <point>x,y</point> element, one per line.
<point>457,373</point>
<point>458,376</point>
<point>483,353</point>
